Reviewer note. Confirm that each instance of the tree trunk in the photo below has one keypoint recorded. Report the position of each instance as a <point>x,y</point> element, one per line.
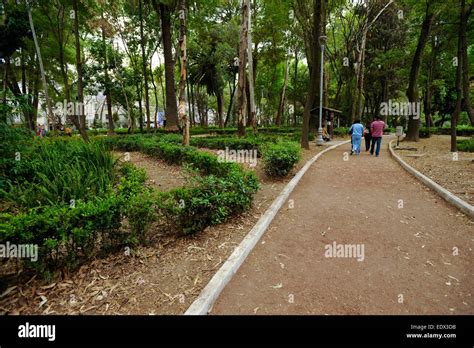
<point>182,81</point>
<point>295,83</point>
<point>80,89</point>
<point>413,131</point>
<point>251,74</point>
<point>155,93</point>
<point>171,111</point>
<point>108,95</point>
<point>232,90</point>
<point>144,60</point>
<point>140,107</point>
<point>315,74</point>
<point>465,63</point>
<point>459,68</point>
<point>220,108</point>
<point>242,64</point>
<point>429,88</point>
<point>43,74</point>
<point>281,105</point>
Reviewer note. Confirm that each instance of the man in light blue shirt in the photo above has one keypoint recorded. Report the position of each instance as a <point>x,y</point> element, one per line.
<point>356,130</point>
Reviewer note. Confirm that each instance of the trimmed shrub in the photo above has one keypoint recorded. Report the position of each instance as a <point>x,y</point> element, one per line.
<point>211,200</point>
<point>466,145</point>
<point>280,158</point>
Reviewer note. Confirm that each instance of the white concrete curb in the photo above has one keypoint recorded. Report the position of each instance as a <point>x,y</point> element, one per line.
<point>203,304</point>
<point>465,207</point>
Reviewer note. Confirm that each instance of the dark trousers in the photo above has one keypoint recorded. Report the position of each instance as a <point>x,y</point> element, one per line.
<point>377,141</point>
<point>368,139</point>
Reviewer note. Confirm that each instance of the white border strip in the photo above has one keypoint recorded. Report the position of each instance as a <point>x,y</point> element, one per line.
<point>448,196</point>
<point>203,304</point>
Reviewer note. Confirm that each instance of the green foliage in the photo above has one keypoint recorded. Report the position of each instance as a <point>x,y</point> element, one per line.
<point>210,201</point>
<point>280,158</point>
<point>466,145</point>
<point>57,171</point>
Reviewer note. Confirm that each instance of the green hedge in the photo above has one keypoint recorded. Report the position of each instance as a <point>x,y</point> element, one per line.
<point>280,158</point>
<point>66,235</point>
<point>466,145</point>
<point>462,131</point>
<point>123,213</point>
<point>224,190</point>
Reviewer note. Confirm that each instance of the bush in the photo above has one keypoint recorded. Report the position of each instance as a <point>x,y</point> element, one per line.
<point>210,201</point>
<point>56,171</point>
<point>65,235</point>
<point>466,145</point>
<point>280,158</point>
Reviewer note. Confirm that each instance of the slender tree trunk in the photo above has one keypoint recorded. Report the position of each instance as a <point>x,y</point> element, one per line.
<point>43,74</point>
<point>295,83</point>
<point>171,111</point>
<point>190,105</point>
<point>251,79</point>
<point>465,63</point>
<point>220,108</point>
<point>429,87</point>
<point>281,105</point>
<point>315,74</point>
<point>242,64</point>
<point>182,82</point>
<point>232,89</point>
<point>108,96</point>
<point>413,133</point>
<point>144,60</point>
<point>459,68</point>
<point>80,87</point>
<point>155,93</point>
<point>140,107</point>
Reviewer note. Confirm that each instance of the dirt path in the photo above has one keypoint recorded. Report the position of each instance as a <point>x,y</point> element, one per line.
<point>408,265</point>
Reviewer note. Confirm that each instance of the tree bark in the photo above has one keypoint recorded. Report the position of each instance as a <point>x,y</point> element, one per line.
<point>251,74</point>
<point>413,131</point>
<point>315,74</point>
<point>459,77</point>
<point>171,111</point>
<point>281,105</point>
<point>144,60</point>
<point>182,81</point>
<point>80,88</point>
<point>108,96</point>
<point>242,64</point>
<point>43,74</point>
<point>465,63</point>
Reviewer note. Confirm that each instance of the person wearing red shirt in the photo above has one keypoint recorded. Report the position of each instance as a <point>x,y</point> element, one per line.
<point>376,128</point>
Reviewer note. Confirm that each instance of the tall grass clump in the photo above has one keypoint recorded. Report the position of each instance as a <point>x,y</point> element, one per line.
<point>53,171</point>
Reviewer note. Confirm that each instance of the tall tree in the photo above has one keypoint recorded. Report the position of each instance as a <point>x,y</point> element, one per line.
<point>144,64</point>
<point>413,131</point>
<point>49,108</point>
<point>251,79</point>
<point>171,111</point>
<point>108,92</point>
<point>182,81</point>
<point>81,122</point>
<point>315,75</point>
<point>461,56</point>
<point>241,93</point>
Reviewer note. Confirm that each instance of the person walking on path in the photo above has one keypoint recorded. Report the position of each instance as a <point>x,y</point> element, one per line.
<point>356,130</point>
<point>367,136</point>
<point>377,128</point>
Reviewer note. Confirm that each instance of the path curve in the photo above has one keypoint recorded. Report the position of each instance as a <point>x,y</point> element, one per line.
<point>418,256</point>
